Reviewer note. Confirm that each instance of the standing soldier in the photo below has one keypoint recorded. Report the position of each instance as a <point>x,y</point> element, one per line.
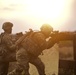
<point>31,47</point>
<point>7,48</point>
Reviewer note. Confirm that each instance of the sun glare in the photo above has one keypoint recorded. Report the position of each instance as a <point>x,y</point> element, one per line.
<point>49,11</point>
<point>39,11</point>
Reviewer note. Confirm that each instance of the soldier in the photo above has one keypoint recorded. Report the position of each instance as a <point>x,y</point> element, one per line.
<point>7,48</point>
<point>31,47</point>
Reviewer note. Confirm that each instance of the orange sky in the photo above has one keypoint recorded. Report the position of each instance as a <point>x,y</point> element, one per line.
<point>36,12</point>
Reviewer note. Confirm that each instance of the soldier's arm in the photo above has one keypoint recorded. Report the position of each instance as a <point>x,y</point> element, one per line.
<point>51,42</point>
<point>9,44</point>
<point>59,37</point>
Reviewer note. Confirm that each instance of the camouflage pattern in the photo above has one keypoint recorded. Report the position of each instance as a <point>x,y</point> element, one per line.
<point>7,48</point>
<point>35,43</point>
<point>31,47</point>
<point>23,57</point>
<point>8,42</point>
<point>8,54</point>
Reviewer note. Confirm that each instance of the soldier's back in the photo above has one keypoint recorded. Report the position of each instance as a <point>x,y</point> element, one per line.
<point>35,43</point>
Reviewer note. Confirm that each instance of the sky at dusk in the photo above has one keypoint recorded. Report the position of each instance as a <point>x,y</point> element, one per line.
<point>25,14</point>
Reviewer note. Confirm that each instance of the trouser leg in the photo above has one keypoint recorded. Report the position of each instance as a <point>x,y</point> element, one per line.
<point>39,65</point>
<point>23,60</point>
<point>4,68</point>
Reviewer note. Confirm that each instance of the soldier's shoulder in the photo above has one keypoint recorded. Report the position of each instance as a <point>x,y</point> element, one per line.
<point>40,34</point>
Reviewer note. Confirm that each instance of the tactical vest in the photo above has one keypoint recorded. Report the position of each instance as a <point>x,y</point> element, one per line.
<point>34,44</point>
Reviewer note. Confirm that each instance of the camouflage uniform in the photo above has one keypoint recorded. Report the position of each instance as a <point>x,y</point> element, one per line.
<point>7,49</point>
<point>31,48</point>
<point>23,57</point>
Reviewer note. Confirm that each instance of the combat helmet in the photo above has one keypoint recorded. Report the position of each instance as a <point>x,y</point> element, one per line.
<point>46,29</point>
<point>7,25</point>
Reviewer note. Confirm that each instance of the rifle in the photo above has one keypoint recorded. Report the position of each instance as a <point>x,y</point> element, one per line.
<point>62,36</point>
